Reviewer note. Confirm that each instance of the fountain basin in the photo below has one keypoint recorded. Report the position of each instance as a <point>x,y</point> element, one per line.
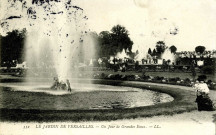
<point>83,97</point>
<point>182,102</point>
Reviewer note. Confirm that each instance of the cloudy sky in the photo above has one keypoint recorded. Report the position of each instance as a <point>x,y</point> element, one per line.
<point>148,21</point>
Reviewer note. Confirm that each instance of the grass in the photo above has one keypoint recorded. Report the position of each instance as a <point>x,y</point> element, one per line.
<point>183,102</point>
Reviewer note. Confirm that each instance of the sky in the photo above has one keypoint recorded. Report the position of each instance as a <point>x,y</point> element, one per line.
<point>149,21</point>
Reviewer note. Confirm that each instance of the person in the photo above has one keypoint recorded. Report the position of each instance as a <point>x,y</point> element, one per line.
<point>68,85</point>
<point>203,100</point>
<point>202,88</point>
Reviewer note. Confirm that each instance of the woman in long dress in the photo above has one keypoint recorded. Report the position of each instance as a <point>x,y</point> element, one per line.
<point>203,100</point>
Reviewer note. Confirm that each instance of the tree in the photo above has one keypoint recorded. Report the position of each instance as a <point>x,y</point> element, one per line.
<point>131,54</point>
<point>105,44</point>
<point>120,38</point>
<point>168,61</point>
<point>149,51</point>
<point>173,49</point>
<point>202,78</point>
<point>154,52</point>
<point>119,30</point>
<point>160,48</point>
<point>105,36</point>
<point>200,49</point>
<point>115,41</point>
<point>12,46</point>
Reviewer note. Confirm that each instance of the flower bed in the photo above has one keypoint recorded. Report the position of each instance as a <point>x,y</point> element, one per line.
<point>158,79</point>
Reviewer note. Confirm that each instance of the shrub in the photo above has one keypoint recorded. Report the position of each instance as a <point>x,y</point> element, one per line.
<point>117,77</point>
<point>208,69</point>
<point>202,78</point>
<point>187,82</point>
<point>172,80</point>
<point>178,79</point>
<point>102,75</point>
<point>130,77</point>
<point>158,78</point>
<point>212,86</point>
<point>209,81</point>
<point>145,77</point>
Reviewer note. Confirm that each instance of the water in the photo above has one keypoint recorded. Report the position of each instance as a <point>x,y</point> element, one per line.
<point>56,42</point>
<point>39,96</point>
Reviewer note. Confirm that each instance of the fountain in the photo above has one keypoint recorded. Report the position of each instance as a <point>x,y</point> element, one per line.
<point>168,56</point>
<point>56,38</point>
<point>55,30</point>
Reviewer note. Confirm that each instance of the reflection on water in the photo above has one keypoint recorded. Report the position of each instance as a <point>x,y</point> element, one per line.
<point>113,97</point>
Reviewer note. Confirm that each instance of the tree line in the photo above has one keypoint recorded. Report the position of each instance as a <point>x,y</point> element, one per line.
<point>161,47</point>
<point>109,43</point>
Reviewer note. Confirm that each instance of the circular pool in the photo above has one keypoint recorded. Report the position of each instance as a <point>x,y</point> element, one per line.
<point>101,100</point>
<point>38,96</point>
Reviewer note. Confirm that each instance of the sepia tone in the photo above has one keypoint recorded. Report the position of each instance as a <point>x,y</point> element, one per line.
<point>107,67</point>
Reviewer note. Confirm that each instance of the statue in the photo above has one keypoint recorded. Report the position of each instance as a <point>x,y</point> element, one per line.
<point>57,85</point>
<point>68,85</point>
